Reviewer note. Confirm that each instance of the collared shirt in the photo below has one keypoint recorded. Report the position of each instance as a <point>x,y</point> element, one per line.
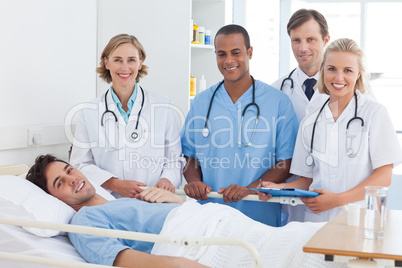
<point>130,103</point>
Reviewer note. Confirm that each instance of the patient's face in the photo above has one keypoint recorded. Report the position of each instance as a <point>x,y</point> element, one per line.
<point>68,184</point>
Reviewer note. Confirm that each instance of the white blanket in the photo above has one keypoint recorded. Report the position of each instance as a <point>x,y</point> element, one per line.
<point>279,247</point>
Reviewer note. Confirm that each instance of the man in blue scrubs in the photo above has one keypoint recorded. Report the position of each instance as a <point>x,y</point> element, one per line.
<point>238,147</point>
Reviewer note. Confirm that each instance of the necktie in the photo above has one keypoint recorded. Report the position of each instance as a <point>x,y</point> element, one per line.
<point>309,84</point>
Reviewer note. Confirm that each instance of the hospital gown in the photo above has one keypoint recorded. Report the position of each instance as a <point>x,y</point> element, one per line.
<point>122,214</point>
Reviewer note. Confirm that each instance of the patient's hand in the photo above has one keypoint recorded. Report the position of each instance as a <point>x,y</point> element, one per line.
<point>234,193</point>
<point>166,185</point>
<point>158,195</point>
<point>197,190</point>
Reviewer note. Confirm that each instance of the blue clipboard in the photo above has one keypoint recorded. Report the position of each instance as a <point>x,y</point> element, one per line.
<point>286,192</point>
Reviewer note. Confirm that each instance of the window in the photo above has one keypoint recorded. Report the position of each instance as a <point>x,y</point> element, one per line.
<point>261,19</point>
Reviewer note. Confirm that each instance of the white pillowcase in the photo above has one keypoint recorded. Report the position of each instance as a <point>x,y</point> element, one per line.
<point>19,198</point>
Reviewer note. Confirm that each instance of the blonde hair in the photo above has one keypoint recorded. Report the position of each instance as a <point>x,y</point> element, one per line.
<point>111,47</point>
<point>345,45</point>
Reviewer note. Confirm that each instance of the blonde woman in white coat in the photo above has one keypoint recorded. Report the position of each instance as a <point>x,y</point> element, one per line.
<point>128,137</point>
<point>344,155</point>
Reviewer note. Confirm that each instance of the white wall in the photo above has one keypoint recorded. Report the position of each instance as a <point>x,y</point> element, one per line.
<point>163,28</point>
<point>50,52</point>
<point>48,62</point>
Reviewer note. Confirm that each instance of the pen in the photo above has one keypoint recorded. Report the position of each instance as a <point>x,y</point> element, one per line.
<point>261,183</point>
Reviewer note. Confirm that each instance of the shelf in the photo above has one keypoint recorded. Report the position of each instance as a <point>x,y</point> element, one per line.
<point>198,46</point>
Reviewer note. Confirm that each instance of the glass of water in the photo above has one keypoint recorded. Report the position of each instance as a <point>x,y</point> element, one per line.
<point>375,211</point>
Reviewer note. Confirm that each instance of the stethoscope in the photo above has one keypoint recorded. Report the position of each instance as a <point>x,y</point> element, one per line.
<point>288,78</point>
<point>349,152</point>
<point>134,136</point>
<point>205,131</point>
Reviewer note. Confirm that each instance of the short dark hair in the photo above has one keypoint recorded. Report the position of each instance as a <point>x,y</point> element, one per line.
<point>235,29</point>
<point>36,173</point>
<point>304,15</point>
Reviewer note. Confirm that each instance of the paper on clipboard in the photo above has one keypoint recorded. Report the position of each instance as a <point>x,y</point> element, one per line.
<point>286,192</point>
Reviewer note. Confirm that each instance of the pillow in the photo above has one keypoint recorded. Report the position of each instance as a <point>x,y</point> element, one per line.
<point>20,198</point>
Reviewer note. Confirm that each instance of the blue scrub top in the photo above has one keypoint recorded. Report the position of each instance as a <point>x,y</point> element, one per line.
<point>223,161</point>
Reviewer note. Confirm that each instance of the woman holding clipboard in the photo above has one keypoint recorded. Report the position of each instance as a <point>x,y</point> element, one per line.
<point>347,143</point>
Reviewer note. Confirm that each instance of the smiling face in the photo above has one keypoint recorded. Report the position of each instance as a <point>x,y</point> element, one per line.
<point>341,71</point>
<point>68,184</point>
<point>124,63</point>
<point>232,56</point>
<point>308,46</point>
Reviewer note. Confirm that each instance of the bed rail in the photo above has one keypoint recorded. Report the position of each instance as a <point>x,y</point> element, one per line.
<point>176,241</point>
<point>286,200</point>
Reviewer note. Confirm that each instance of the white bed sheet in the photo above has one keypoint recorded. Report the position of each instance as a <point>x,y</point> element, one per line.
<point>14,239</point>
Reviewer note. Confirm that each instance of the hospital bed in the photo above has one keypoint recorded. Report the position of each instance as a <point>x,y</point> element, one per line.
<point>29,250</point>
<point>36,250</point>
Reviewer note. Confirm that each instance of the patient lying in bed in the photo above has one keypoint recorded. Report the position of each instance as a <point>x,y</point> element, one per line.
<point>162,213</point>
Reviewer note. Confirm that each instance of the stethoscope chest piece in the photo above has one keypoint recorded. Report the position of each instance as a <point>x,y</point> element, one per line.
<point>134,136</point>
<point>205,132</point>
<point>309,160</point>
<point>351,153</point>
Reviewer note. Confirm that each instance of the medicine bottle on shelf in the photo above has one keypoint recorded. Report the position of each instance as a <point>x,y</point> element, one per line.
<point>196,35</point>
<point>202,84</point>
<point>207,37</point>
<point>201,31</point>
<point>193,85</point>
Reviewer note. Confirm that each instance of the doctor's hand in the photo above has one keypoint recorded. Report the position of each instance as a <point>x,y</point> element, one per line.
<point>197,190</point>
<point>125,188</point>
<point>234,193</point>
<point>325,201</point>
<point>158,195</point>
<point>165,184</point>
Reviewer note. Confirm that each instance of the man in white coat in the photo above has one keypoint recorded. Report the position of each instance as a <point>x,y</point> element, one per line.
<point>308,32</point>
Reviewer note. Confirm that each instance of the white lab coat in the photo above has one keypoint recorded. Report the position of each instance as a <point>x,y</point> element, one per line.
<point>156,155</point>
<point>333,169</point>
<point>297,94</point>
<point>300,102</point>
